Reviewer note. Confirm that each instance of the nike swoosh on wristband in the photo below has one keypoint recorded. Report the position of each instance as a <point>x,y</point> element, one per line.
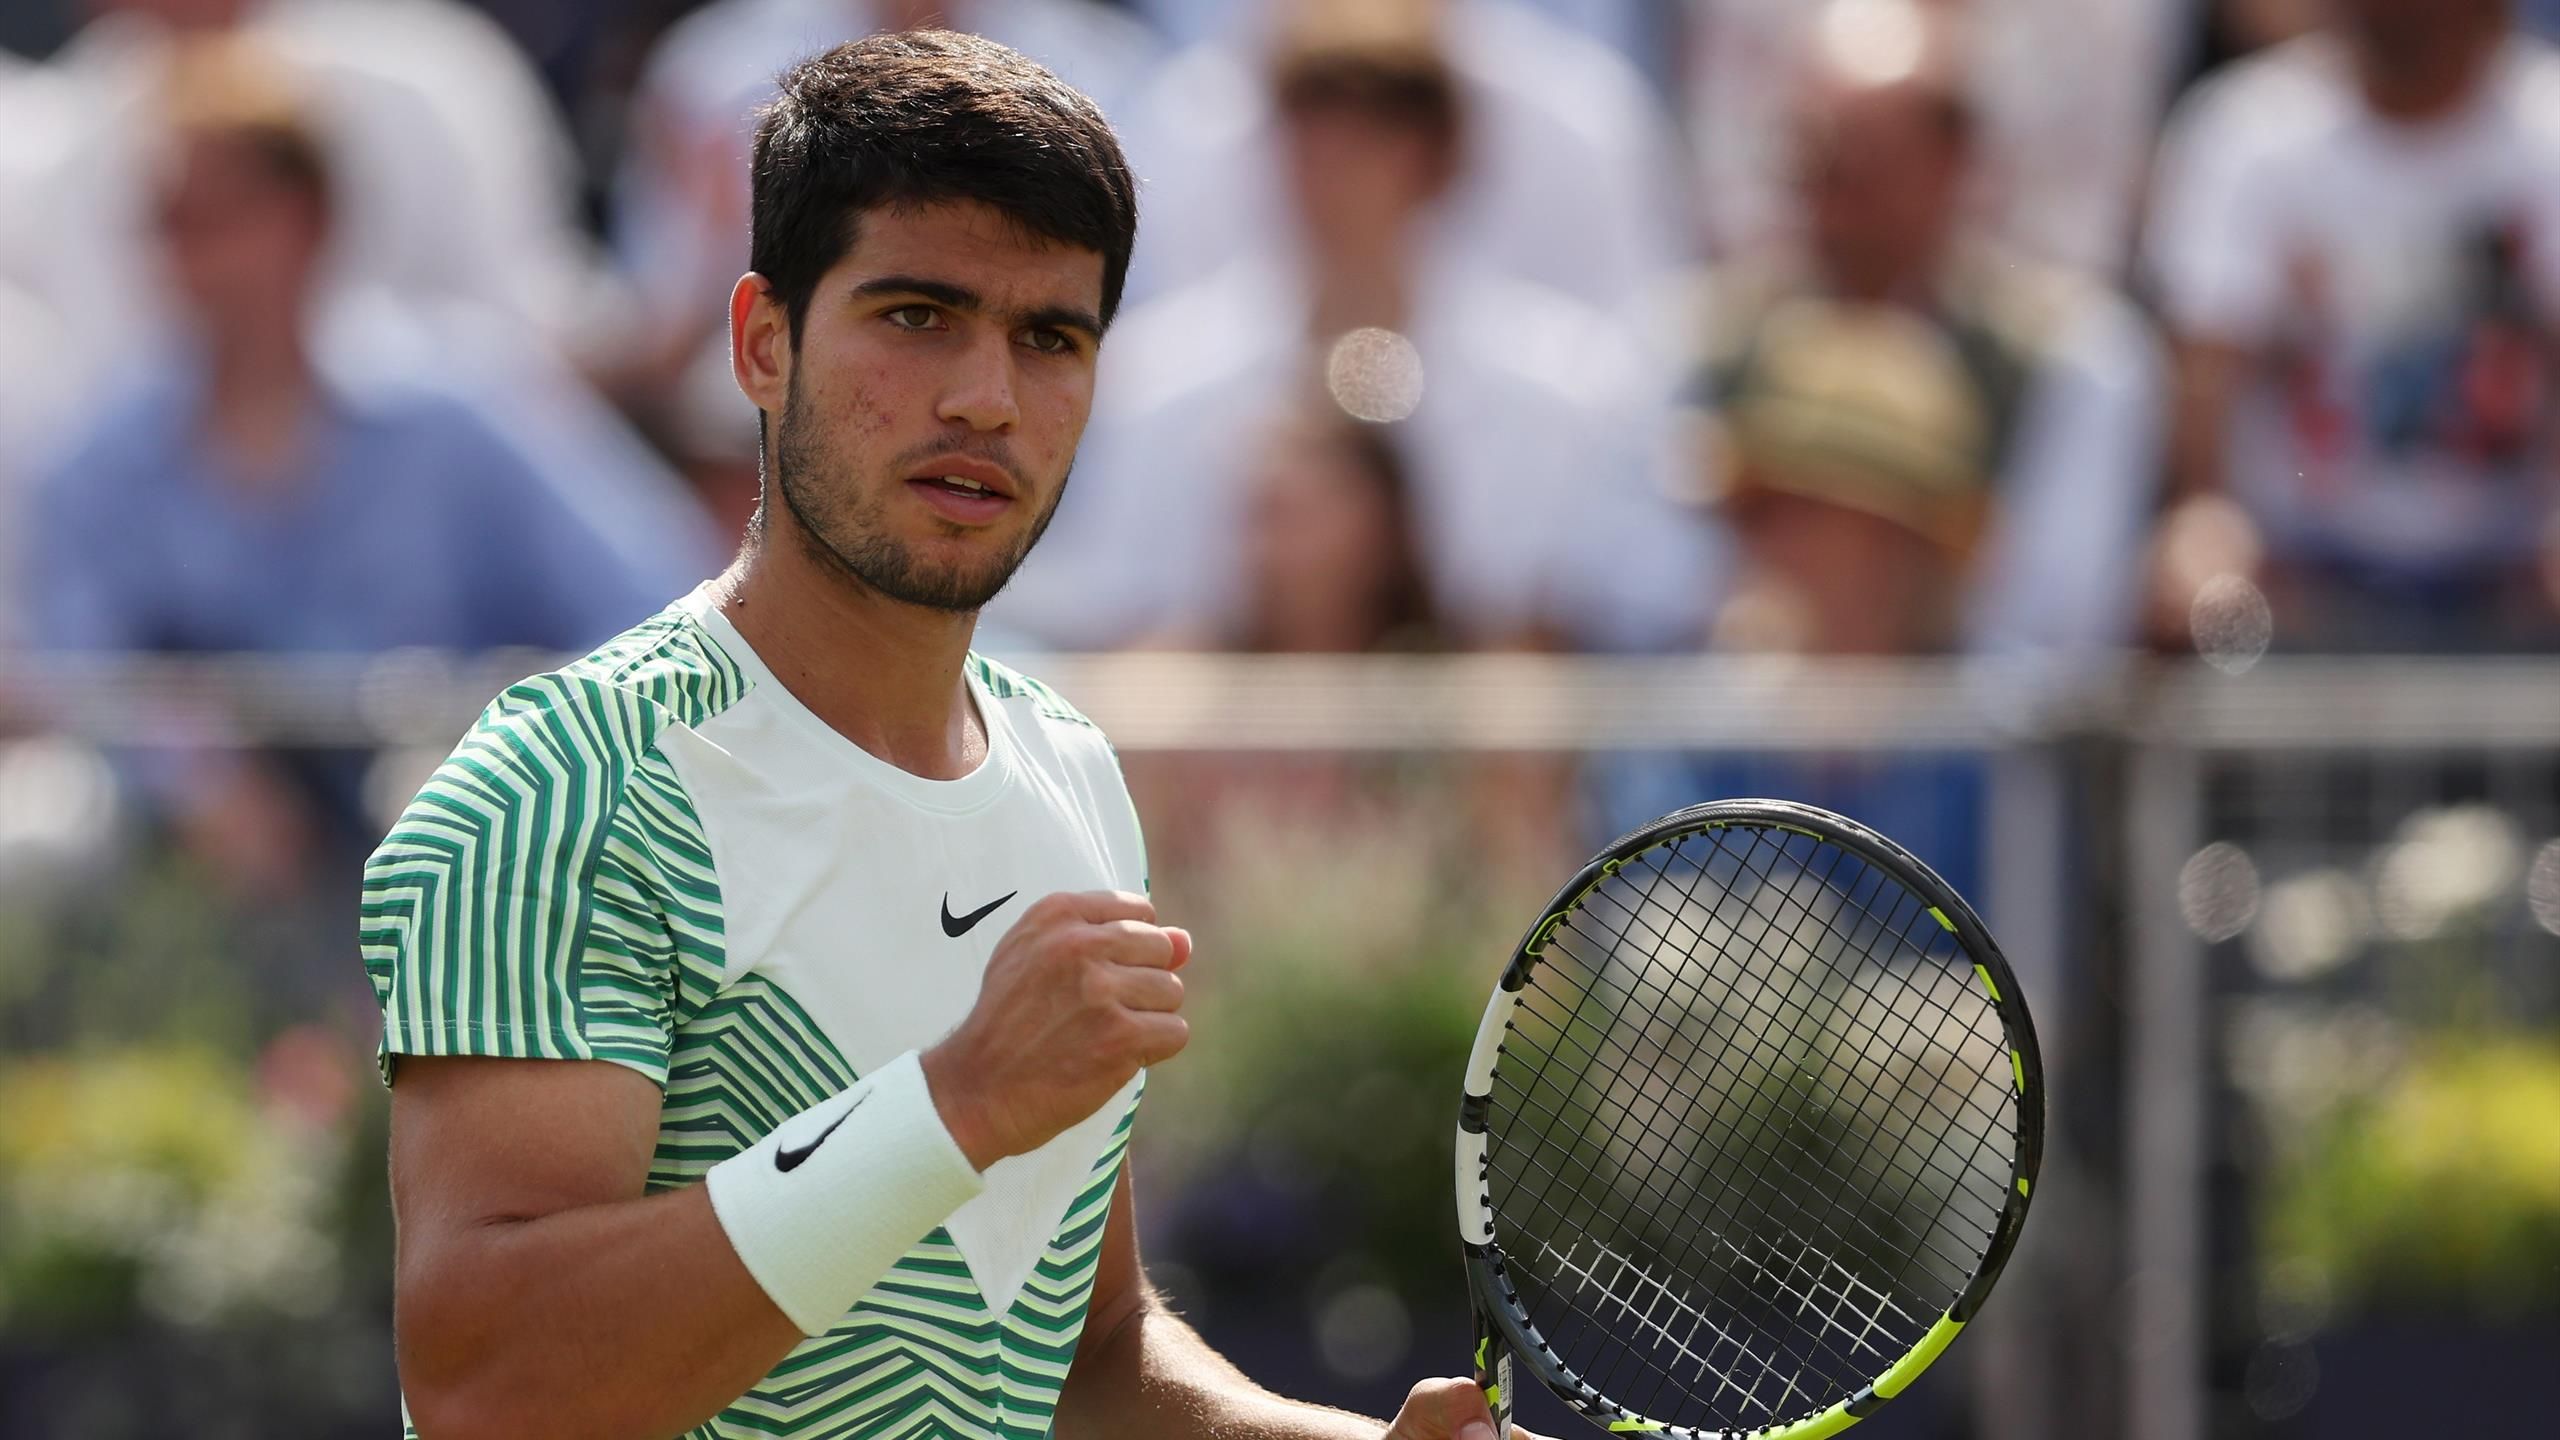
<point>787,1158</point>
<point>956,926</point>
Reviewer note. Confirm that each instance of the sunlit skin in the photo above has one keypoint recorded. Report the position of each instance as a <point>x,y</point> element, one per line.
<point>946,342</point>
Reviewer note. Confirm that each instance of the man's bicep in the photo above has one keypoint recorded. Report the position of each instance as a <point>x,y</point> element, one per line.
<point>1120,1279</point>
<point>479,1141</point>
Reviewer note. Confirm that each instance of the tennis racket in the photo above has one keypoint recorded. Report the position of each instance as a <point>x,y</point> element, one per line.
<point>1749,1130</point>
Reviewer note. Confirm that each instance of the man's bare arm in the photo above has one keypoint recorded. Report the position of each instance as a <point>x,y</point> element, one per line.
<point>540,1292</point>
<point>2203,533</point>
<point>1139,1370</point>
<point>538,1288</point>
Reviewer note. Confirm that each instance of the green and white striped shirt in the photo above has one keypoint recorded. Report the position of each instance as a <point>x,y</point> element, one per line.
<point>657,857</point>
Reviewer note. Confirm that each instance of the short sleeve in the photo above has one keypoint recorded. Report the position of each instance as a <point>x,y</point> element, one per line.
<point>548,895</point>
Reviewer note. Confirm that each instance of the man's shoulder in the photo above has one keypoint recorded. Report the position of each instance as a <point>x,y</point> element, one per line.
<point>120,448</point>
<point>1052,709</point>
<point>606,711</point>
<point>2279,99</point>
<point>549,762</point>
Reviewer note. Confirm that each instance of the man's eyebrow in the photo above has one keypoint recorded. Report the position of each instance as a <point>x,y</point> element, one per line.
<point>940,292</point>
<point>969,302</point>
<point>1064,317</point>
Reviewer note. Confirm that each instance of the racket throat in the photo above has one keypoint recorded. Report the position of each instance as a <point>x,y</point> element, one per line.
<point>1493,1374</point>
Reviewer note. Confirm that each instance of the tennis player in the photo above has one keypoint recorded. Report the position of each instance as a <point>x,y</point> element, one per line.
<point>766,997</point>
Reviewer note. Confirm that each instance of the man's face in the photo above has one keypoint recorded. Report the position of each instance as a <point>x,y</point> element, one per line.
<point>940,384</point>
<point>241,244</point>
<point>1359,179</point>
<point>1880,177</point>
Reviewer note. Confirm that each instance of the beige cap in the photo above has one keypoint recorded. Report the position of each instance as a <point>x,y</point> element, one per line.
<point>1869,407</point>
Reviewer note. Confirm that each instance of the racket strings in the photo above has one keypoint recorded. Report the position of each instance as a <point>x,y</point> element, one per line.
<point>1802,1361</point>
<point>1995,1122</point>
<point>1807,1294</point>
<point>1996,1134</point>
<point>1528,1100</point>
<point>1765,1090</point>
<point>1962,1263</point>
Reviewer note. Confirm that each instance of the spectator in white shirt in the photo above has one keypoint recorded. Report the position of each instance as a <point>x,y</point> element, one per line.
<point>2357,240</point>
<point>1572,181</point>
<point>1535,438</point>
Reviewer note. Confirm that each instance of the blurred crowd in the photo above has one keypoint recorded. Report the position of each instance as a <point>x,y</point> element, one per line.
<point>2037,330</point>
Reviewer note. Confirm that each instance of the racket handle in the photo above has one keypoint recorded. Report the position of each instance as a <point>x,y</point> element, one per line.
<point>1493,1373</point>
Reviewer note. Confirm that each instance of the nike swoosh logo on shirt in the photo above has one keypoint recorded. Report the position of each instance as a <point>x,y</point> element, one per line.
<point>956,926</point>
<point>787,1158</point>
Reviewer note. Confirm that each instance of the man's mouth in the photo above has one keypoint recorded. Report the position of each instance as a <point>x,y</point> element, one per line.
<point>961,499</point>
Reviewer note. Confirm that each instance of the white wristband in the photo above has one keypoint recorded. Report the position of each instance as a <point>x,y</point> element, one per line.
<point>822,1207</point>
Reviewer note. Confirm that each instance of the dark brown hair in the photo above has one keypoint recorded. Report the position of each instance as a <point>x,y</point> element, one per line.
<point>923,117</point>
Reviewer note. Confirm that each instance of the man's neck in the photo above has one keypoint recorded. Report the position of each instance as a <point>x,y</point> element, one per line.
<point>2416,84</point>
<point>885,675</point>
<point>257,396</point>
<point>1372,289</point>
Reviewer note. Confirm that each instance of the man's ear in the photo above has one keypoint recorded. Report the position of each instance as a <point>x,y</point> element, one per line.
<point>759,343</point>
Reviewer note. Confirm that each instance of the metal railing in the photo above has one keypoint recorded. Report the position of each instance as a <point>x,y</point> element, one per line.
<point>2166,736</point>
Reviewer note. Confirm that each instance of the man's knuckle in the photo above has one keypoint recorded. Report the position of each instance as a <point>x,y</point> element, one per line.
<point>1096,986</point>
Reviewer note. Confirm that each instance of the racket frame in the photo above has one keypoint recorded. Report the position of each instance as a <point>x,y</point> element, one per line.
<point>1504,1329</point>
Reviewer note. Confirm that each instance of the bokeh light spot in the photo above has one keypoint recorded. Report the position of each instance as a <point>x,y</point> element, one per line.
<point>1375,375</point>
<point>2232,624</point>
<point>2218,891</point>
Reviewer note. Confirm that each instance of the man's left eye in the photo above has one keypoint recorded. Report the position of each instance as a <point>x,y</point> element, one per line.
<point>1051,342</point>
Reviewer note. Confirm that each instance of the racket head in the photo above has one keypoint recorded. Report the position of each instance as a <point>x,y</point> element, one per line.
<point>1745,985</point>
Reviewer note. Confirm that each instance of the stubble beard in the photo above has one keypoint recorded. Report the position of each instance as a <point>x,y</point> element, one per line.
<point>850,533</point>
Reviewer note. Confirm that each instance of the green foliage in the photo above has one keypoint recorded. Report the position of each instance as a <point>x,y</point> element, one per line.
<point>2440,1191</point>
<point>1339,982</point>
<point>176,1135</point>
<point>153,1181</point>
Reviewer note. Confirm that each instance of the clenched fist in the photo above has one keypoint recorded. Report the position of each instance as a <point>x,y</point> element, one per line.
<point>1079,995</point>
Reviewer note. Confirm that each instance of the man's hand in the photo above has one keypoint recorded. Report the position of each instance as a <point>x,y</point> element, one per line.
<point>1078,996</point>
<point>1447,1410</point>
